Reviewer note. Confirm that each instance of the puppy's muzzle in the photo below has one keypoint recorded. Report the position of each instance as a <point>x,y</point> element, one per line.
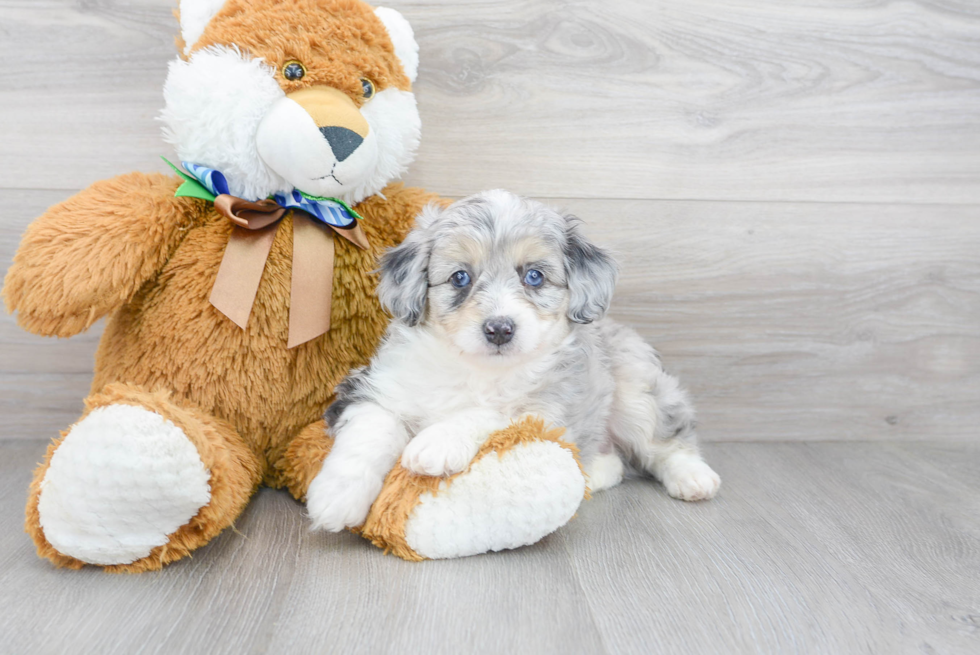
<point>498,331</point>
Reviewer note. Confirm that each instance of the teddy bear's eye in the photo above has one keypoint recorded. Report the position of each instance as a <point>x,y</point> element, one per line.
<point>293,70</point>
<point>368,87</point>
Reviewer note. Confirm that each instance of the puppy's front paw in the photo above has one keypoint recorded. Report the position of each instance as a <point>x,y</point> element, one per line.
<point>689,478</point>
<point>439,450</point>
<point>335,502</point>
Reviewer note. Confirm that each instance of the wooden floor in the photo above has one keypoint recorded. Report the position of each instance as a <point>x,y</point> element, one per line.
<point>809,548</point>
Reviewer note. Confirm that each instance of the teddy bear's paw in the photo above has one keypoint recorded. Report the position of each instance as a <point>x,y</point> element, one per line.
<point>335,501</point>
<point>120,483</point>
<point>503,501</point>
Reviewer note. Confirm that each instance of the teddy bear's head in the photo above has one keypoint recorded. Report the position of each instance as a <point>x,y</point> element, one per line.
<point>307,95</point>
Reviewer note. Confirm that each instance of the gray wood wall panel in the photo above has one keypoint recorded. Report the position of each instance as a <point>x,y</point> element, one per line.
<point>785,320</point>
<point>806,320</point>
<point>832,101</point>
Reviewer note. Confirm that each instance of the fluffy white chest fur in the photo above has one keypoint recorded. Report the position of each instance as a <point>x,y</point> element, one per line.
<point>424,382</point>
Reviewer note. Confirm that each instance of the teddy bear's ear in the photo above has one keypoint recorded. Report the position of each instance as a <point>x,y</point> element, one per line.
<point>402,38</point>
<point>194,17</point>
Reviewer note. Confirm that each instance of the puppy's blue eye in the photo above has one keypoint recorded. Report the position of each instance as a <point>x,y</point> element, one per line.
<point>534,278</point>
<point>460,279</point>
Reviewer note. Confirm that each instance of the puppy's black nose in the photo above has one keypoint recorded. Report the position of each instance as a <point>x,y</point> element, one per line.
<point>498,330</point>
<point>342,141</point>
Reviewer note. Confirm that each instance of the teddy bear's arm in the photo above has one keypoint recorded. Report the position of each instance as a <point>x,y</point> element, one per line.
<point>88,255</point>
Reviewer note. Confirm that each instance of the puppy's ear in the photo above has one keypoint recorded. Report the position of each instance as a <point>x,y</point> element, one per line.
<point>591,273</point>
<point>404,282</point>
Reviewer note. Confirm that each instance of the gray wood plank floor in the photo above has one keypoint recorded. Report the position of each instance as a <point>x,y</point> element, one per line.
<point>809,548</point>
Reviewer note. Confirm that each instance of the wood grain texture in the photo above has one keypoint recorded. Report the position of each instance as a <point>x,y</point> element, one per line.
<point>809,548</point>
<point>794,194</point>
<point>723,99</point>
<point>814,548</point>
<point>720,99</point>
<point>801,321</point>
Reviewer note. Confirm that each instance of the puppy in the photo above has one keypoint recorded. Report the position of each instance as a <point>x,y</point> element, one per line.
<point>498,307</point>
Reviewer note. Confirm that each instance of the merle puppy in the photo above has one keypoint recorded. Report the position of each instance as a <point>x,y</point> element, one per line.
<point>498,305</point>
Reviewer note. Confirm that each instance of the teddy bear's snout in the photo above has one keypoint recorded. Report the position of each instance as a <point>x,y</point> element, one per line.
<point>336,116</point>
<point>318,139</point>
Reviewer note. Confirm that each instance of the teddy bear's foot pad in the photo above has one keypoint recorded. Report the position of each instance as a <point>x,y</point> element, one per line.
<point>501,502</point>
<point>120,483</point>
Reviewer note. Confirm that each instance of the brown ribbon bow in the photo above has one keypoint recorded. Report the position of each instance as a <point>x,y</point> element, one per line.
<point>248,248</point>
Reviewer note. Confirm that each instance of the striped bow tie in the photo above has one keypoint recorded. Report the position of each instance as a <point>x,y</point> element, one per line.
<point>255,226</point>
<point>330,211</point>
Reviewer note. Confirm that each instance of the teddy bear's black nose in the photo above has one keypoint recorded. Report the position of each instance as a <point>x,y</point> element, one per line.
<point>342,141</point>
<point>498,330</point>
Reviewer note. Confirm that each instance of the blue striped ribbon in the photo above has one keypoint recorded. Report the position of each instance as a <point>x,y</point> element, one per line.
<point>326,210</point>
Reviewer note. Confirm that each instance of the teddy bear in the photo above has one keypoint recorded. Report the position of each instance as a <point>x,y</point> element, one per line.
<point>240,291</point>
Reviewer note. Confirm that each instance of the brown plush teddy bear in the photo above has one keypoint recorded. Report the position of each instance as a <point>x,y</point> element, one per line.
<point>240,293</point>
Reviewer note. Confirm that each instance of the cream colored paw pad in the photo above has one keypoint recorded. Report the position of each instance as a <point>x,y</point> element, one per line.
<point>122,481</point>
<point>501,502</point>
